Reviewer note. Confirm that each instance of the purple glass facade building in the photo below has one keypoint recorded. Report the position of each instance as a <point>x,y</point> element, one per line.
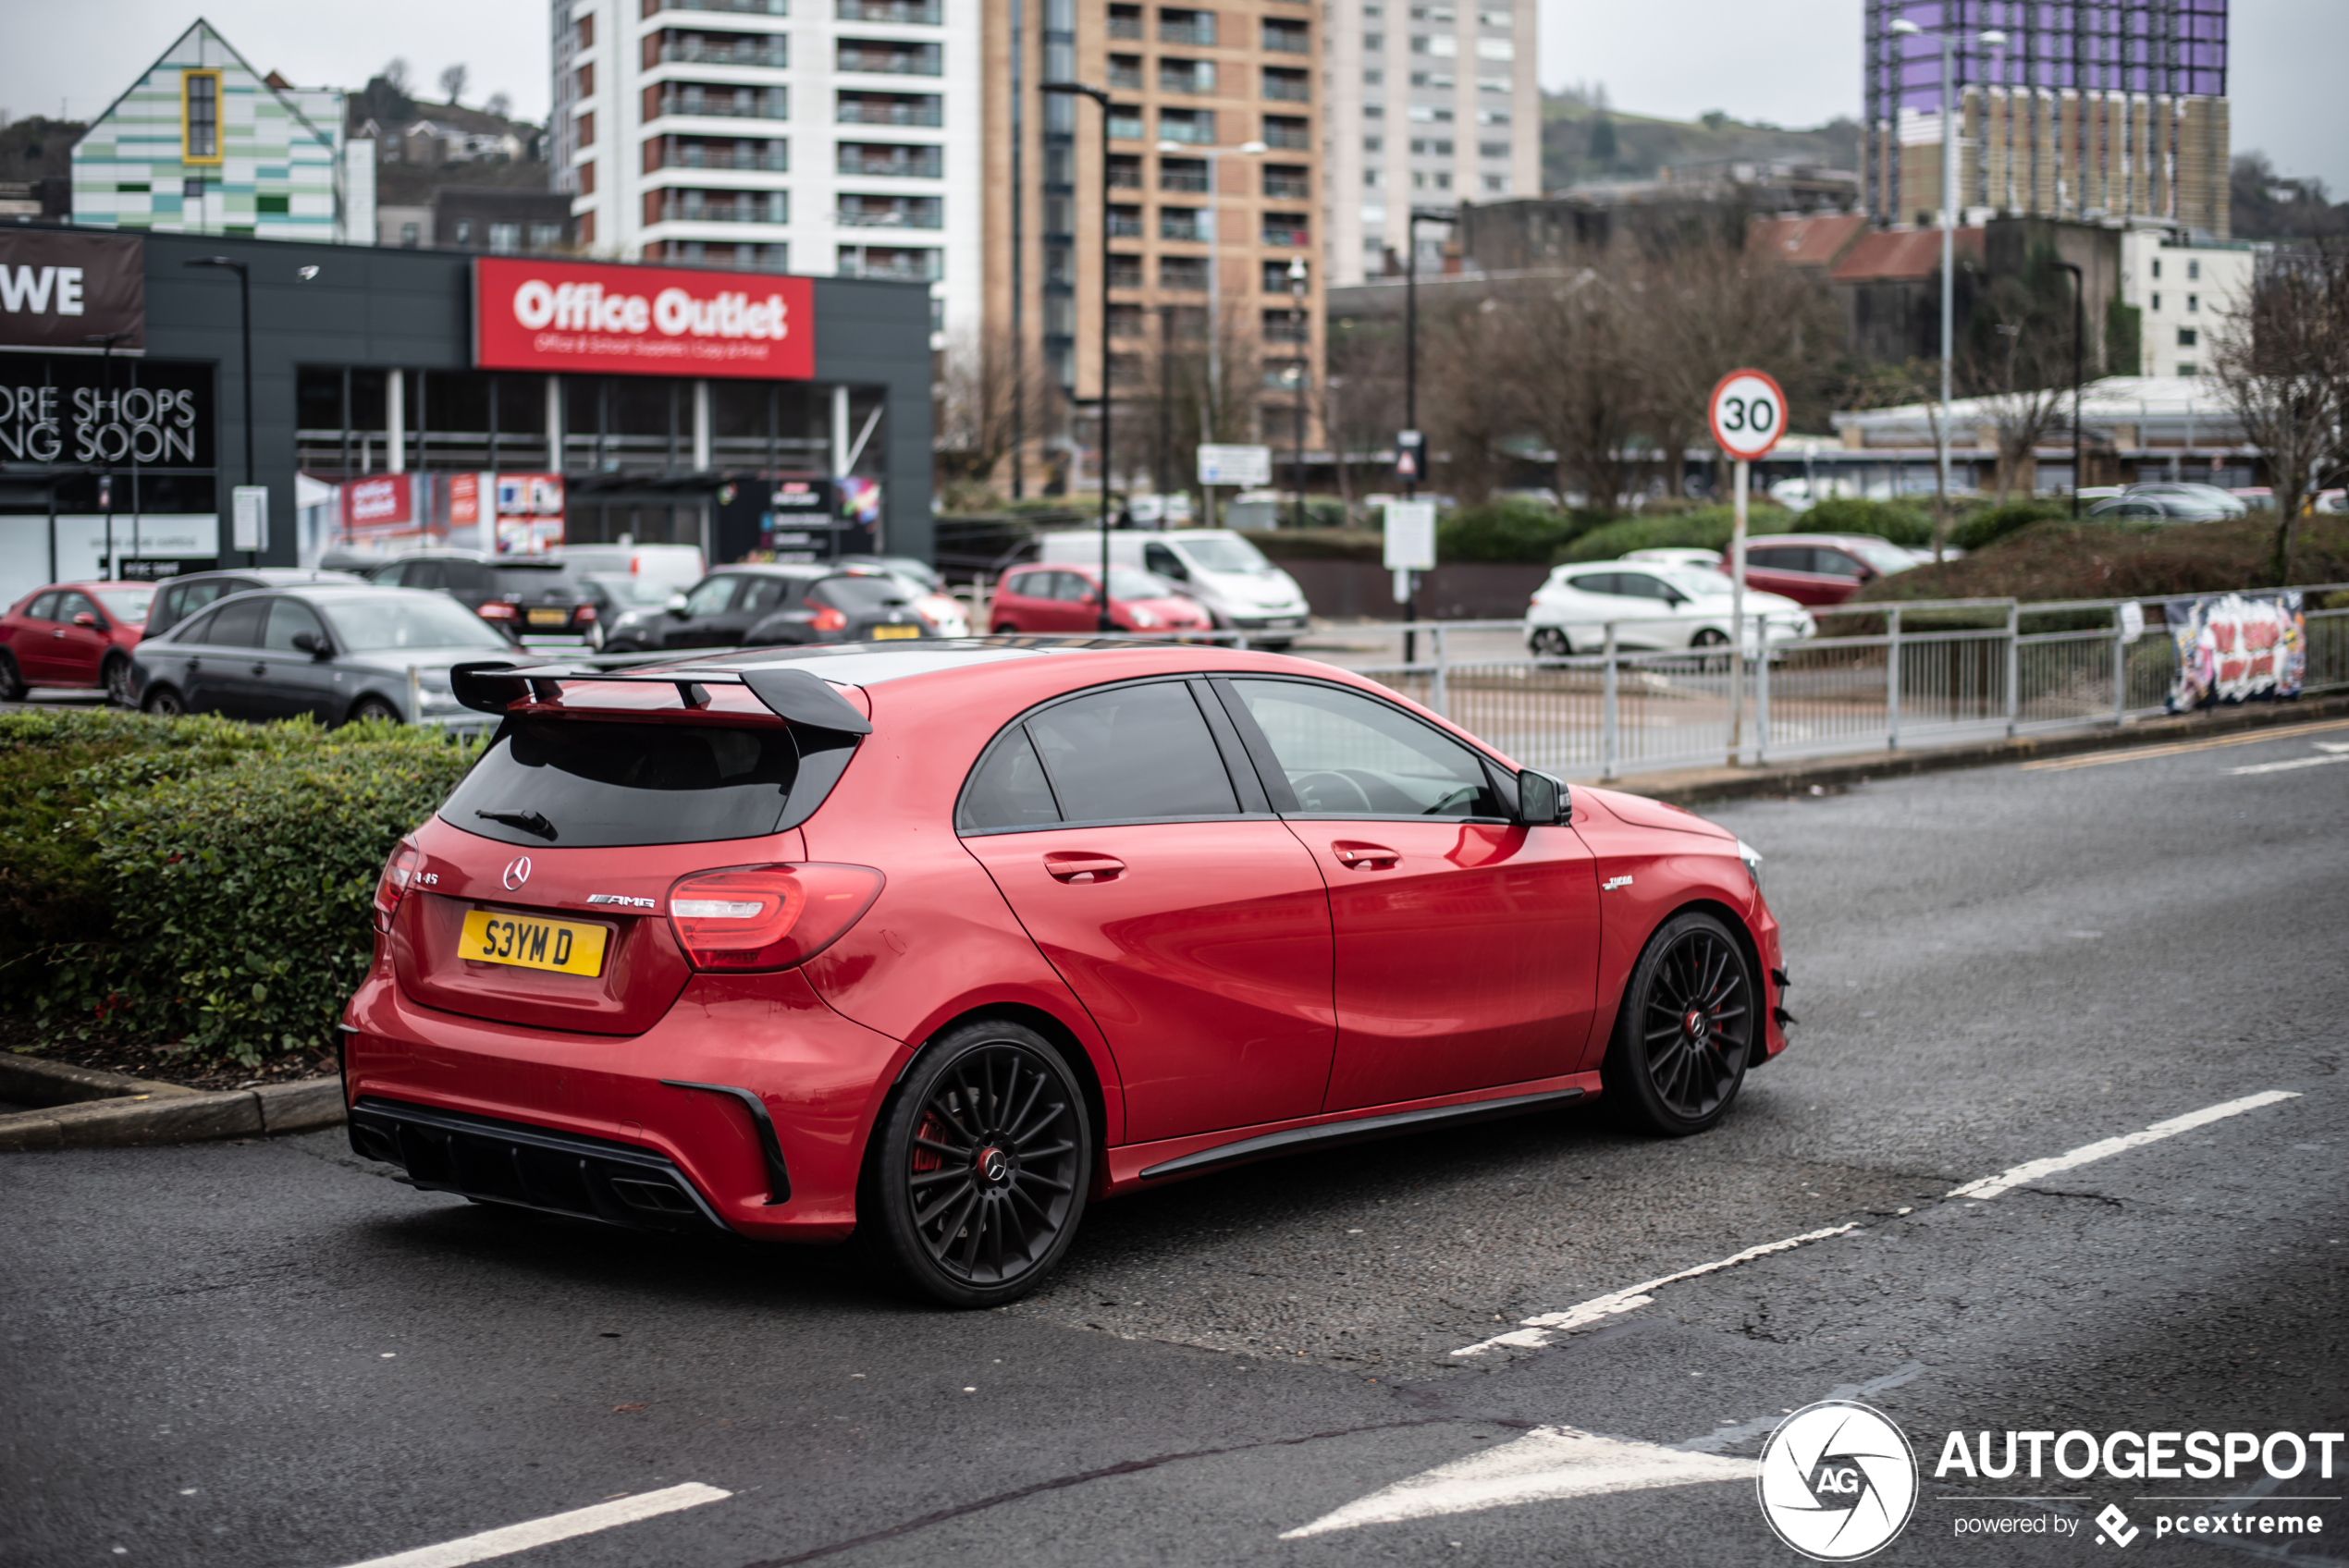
<point>2094,109</point>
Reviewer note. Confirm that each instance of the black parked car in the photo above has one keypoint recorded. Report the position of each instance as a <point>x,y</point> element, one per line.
<point>528,597</point>
<point>762,605</point>
<point>329,652</point>
<point>177,598</point>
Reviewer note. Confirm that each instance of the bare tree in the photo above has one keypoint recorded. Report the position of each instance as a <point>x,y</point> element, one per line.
<point>2018,360</point>
<point>2283,364</point>
<point>501,104</point>
<point>1567,346</point>
<point>453,81</point>
<point>395,74</point>
<point>987,398</point>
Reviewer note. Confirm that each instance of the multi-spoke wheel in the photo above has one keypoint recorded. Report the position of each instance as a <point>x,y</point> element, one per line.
<point>1686,1032</point>
<point>1550,642</point>
<point>979,1171</point>
<point>115,679</point>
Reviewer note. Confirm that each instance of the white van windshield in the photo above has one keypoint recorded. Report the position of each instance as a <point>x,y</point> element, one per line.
<point>1216,553</point>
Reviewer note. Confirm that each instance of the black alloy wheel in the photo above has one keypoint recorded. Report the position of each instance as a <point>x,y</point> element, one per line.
<point>977,1172</point>
<point>115,678</point>
<point>12,686</point>
<point>164,702</point>
<point>1687,1030</point>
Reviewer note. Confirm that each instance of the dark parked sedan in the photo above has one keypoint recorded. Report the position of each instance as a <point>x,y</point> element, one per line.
<point>528,597</point>
<point>331,653</point>
<point>762,605</point>
<point>177,598</point>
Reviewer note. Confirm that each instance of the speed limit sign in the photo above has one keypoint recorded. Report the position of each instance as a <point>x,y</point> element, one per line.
<point>1748,413</point>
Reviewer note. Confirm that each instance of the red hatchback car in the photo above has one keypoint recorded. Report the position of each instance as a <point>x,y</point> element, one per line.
<point>1067,598</point>
<point>932,945</point>
<point>1820,569</point>
<point>73,635</point>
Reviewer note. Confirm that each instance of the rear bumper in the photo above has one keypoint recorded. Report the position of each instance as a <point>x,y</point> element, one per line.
<point>530,1166</point>
<point>629,1104</point>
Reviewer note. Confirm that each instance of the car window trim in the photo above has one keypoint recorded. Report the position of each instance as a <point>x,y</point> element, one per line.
<point>1189,683</point>
<point>1268,765</point>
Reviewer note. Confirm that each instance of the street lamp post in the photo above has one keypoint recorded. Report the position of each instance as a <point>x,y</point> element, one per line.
<point>1904,28</point>
<point>1104,623</point>
<point>2079,327</point>
<point>1301,372</point>
<point>1411,381</point>
<point>104,342</point>
<point>244,319</point>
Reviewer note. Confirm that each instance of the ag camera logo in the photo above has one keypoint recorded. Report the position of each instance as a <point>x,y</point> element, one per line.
<point>1838,1481</point>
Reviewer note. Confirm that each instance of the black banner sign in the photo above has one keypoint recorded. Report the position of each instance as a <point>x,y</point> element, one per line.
<point>71,291</point>
<point>105,414</point>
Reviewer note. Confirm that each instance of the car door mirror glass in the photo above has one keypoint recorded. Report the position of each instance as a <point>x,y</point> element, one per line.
<point>1541,800</point>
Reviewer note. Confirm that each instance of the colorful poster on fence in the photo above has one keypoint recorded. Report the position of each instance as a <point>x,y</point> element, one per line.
<point>2238,647</point>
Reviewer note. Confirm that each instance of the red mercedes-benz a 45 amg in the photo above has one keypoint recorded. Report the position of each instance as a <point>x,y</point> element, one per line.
<point>935,944</point>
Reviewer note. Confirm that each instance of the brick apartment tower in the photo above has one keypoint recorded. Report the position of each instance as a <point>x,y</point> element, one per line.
<point>1215,168</point>
<point>2099,110</point>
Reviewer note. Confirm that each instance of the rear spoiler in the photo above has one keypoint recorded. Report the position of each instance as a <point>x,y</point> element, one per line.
<point>794,695</point>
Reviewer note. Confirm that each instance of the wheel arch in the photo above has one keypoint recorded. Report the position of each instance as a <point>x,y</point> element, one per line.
<point>1603,1027</point>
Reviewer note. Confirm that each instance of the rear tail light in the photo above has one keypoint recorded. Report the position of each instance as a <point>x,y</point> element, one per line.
<point>767,916</point>
<point>497,610</point>
<point>829,619</point>
<point>584,613</point>
<point>397,873</point>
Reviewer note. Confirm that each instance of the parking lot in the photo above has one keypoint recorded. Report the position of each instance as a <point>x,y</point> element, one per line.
<point>266,1353</point>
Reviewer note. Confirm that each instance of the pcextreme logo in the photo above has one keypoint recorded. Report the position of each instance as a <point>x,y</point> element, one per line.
<point>1838,1481</point>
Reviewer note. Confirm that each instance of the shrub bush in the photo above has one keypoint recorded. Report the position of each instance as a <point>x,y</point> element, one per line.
<point>1512,529</point>
<point>1994,523</point>
<point>1706,528</point>
<point>236,866</point>
<point>1892,520</point>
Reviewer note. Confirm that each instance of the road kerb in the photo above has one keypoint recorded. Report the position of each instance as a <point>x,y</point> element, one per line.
<point>166,1113</point>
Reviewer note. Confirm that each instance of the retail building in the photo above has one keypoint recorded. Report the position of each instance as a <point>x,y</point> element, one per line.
<point>416,387</point>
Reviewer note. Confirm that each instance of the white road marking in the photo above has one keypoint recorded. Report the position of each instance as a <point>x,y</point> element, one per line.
<point>554,1527</point>
<point>2290,763</point>
<point>1549,1462</point>
<point>1540,1330</point>
<point>1991,1186</point>
<point>1534,1332</point>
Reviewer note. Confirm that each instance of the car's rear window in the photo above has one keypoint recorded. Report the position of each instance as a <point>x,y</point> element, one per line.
<point>596,783</point>
<point>861,592</point>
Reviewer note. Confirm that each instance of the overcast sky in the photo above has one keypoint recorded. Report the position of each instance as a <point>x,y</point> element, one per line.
<point>1793,62</point>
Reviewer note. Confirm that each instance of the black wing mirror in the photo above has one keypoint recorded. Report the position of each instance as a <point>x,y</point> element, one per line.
<point>309,642</point>
<point>1541,800</point>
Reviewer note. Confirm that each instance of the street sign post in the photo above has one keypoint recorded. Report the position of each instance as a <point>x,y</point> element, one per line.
<point>1242,466</point>
<point>249,519</point>
<point>1748,415</point>
<point>1410,543</point>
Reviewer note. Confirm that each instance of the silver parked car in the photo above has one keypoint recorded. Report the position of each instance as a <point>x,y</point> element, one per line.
<point>335,654</point>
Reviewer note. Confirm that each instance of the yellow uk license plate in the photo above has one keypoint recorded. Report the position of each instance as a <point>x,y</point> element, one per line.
<point>881,633</point>
<point>550,617</point>
<point>529,943</point>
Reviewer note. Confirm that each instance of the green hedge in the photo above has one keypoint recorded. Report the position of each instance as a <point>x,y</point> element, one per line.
<point>1704,528</point>
<point>1892,521</point>
<point>1994,523</point>
<point>221,874</point>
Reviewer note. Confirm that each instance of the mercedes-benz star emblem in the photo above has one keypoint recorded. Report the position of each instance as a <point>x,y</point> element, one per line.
<point>993,1165</point>
<point>517,871</point>
<point>1839,1480</point>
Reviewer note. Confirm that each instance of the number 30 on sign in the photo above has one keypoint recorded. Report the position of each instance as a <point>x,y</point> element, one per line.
<point>1748,413</point>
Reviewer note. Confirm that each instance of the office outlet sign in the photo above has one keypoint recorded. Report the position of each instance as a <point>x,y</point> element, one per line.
<point>554,315</point>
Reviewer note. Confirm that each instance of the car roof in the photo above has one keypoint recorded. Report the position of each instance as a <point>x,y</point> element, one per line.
<point>269,576</point>
<point>777,569</point>
<point>1817,539</point>
<point>861,664</point>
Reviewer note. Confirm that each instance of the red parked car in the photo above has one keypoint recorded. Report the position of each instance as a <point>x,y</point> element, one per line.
<point>933,946</point>
<point>1067,598</point>
<point>73,635</point>
<point>1821,569</point>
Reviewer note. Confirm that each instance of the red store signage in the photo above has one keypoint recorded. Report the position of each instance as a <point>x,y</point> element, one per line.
<point>532,314</point>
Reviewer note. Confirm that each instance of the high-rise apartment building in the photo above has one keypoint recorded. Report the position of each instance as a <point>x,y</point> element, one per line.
<point>1215,170</point>
<point>2110,110</point>
<point>1429,105</point>
<point>809,136</point>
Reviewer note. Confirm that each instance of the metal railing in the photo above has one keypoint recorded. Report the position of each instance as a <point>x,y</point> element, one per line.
<point>1937,672</point>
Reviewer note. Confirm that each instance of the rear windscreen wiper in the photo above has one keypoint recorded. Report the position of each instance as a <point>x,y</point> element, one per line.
<point>528,821</point>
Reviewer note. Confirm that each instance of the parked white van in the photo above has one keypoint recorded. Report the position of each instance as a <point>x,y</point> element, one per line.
<point>1226,573</point>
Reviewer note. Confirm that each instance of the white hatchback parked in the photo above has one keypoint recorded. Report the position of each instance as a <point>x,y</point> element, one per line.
<point>1657,606</point>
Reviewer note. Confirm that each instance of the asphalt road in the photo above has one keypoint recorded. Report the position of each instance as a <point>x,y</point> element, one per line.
<point>267,1354</point>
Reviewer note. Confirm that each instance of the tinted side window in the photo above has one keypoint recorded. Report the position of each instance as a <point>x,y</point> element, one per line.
<point>237,625</point>
<point>763,594</point>
<point>287,617</point>
<point>468,577</point>
<point>71,605</point>
<point>1007,790</point>
<point>711,597</point>
<point>1159,558</point>
<point>1132,751</point>
<point>42,608</point>
<point>1780,559</point>
<point>1593,582</point>
<point>1344,753</point>
<point>1640,585</point>
<point>1835,563</point>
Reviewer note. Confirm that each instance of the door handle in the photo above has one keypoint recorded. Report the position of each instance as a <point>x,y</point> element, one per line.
<point>260,670</point>
<point>194,664</point>
<point>1365,857</point>
<point>1078,867</point>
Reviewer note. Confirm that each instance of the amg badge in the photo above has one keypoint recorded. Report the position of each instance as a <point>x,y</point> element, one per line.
<point>621,898</point>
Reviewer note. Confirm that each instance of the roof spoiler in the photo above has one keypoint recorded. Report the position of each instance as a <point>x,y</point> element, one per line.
<point>794,696</point>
